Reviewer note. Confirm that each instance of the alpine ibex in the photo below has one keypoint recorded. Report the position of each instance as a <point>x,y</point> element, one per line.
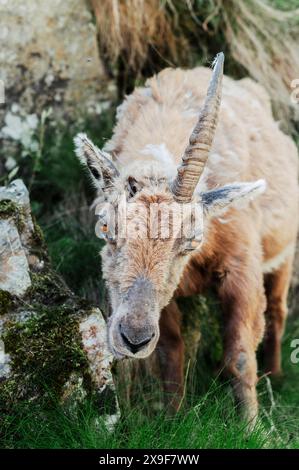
<point>241,244</point>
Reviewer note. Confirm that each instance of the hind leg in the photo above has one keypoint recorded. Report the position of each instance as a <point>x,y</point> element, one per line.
<point>276,288</point>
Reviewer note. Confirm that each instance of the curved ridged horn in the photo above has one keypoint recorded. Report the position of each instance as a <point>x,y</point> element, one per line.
<point>200,142</point>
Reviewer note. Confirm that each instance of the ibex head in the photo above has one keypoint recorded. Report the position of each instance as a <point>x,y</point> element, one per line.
<point>152,226</point>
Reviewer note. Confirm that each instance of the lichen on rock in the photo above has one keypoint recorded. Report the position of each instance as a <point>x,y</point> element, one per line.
<point>46,330</point>
<point>45,62</point>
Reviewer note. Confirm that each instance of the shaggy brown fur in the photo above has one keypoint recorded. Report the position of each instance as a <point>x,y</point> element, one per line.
<point>245,252</point>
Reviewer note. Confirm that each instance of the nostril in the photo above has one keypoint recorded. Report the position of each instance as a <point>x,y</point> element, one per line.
<point>134,347</point>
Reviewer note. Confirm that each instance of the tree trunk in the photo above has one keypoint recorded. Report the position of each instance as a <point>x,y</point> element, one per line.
<point>51,340</point>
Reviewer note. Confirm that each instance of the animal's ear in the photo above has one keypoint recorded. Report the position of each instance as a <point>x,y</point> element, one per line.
<point>102,170</point>
<point>217,201</point>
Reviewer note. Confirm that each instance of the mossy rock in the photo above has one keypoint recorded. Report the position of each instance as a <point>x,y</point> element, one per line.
<point>46,354</point>
<point>6,302</point>
<point>9,209</point>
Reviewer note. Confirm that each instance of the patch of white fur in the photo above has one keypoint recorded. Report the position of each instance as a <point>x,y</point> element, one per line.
<point>120,110</point>
<point>80,140</point>
<point>162,154</point>
<point>190,113</point>
<point>109,147</point>
<point>189,94</point>
<point>252,190</point>
<point>232,157</point>
<point>145,91</point>
<point>233,90</point>
<point>274,263</point>
<point>246,192</point>
<point>215,158</point>
<point>227,108</point>
<point>159,151</point>
<point>223,220</point>
<point>256,104</point>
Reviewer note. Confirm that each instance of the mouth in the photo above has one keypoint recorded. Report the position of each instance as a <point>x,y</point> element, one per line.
<point>116,354</point>
<point>121,356</point>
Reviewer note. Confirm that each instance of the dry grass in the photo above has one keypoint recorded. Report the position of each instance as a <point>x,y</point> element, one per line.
<point>263,40</point>
<point>131,27</point>
<point>258,36</point>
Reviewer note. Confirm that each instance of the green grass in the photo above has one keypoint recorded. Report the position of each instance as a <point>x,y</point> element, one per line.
<point>205,421</point>
<point>202,426</point>
<point>284,4</point>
